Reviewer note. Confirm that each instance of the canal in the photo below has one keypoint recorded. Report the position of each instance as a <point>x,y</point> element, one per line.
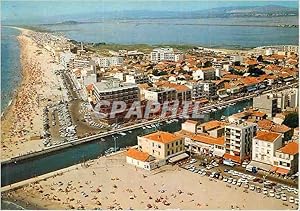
<point>52,161</point>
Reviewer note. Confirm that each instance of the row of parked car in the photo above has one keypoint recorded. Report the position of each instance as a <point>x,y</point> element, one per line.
<point>268,188</point>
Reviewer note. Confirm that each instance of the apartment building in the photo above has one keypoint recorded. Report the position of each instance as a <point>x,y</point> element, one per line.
<point>209,89</point>
<point>109,61</point>
<point>161,145</point>
<point>111,90</point>
<point>238,140</point>
<point>197,90</point>
<point>166,54</point>
<point>213,128</point>
<point>160,94</point>
<point>266,103</point>
<point>291,48</point>
<point>137,78</point>
<point>190,126</point>
<point>65,58</point>
<point>288,98</point>
<point>208,73</point>
<point>264,145</point>
<point>183,93</point>
<point>286,159</point>
<point>236,58</point>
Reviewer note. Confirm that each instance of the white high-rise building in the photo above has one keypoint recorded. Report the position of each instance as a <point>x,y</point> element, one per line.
<point>238,140</point>
<point>166,54</point>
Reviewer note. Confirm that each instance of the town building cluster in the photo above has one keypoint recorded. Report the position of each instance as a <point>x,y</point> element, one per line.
<point>206,76</point>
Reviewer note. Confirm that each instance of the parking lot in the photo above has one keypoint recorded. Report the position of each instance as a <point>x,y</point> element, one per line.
<point>215,170</point>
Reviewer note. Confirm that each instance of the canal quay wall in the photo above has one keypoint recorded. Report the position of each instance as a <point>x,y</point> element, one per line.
<point>48,175</point>
<point>109,133</point>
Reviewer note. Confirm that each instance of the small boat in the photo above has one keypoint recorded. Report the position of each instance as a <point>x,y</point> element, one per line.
<point>214,109</point>
<point>153,125</point>
<point>175,120</point>
<point>111,150</point>
<point>148,126</point>
<point>102,139</point>
<point>129,131</point>
<point>144,128</point>
<point>122,134</point>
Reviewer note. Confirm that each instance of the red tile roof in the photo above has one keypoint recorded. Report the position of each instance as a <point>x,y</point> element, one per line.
<point>267,136</point>
<point>137,155</point>
<point>291,148</point>
<point>163,137</point>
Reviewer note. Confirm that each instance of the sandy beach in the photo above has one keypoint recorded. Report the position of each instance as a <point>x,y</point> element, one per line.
<point>111,183</point>
<point>22,122</point>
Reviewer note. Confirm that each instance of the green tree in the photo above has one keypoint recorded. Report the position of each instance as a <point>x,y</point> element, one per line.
<point>291,120</point>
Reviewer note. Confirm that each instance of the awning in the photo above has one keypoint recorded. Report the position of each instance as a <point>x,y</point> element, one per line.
<point>282,171</point>
<point>262,166</point>
<point>233,158</point>
<point>178,157</point>
<point>273,169</point>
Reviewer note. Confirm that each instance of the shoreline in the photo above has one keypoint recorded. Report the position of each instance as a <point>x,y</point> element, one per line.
<point>22,120</point>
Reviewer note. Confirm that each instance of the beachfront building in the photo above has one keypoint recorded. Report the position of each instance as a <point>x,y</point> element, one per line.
<point>264,145</point>
<point>156,149</point>
<point>161,145</point>
<point>286,159</point>
<point>266,103</point>
<point>203,143</point>
<point>143,160</point>
<point>208,73</point>
<point>166,54</point>
<point>238,140</point>
<point>206,138</point>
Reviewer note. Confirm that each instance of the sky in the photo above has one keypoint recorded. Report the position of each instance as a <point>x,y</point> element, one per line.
<point>48,11</point>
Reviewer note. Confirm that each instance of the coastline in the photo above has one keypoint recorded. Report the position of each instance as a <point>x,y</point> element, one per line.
<point>22,120</point>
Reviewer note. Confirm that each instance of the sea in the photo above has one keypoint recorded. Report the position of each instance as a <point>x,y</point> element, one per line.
<point>10,65</point>
<point>233,33</point>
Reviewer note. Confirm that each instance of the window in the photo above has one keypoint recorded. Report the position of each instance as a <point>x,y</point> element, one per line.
<point>159,146</point>
<point>176,143</point>
<point>269,145</point>
<point>152,144</point>
<point>168,153</point>
<point>168,146</point>
<point>180,141</point>
<point>173,144</point>
<point>256,155</point>
<point>256,142</point>
<point>172,151</point>
<point>153,151</point>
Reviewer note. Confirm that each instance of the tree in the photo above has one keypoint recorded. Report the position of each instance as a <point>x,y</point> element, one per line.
<point>291,120</point>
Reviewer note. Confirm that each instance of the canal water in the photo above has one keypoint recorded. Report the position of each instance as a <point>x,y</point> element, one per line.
<point>42,164</point>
